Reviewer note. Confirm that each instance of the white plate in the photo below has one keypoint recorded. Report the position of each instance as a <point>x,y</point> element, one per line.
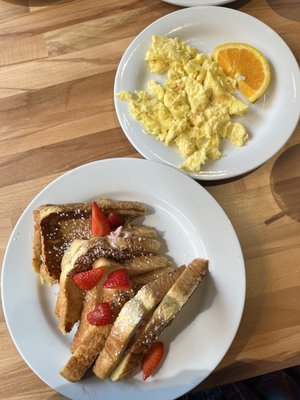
<point>193,3</point>
<point>193,225</point>
<point>270,121</point>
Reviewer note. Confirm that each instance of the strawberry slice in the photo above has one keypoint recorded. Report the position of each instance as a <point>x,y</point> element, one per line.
<point>115,221</point>
<point>117,279</point>
<point>152,359</point>
<point>101,315</point>
<point>100,224</point>
<point>88,279</point>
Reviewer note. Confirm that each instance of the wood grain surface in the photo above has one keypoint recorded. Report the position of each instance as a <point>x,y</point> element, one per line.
<point>57,64</point>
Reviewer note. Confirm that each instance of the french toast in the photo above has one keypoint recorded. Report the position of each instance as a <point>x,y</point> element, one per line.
<point>82,255</point>
<point>118,319</point>
<point>149,268</point>
<point>117,248</point>
<point>91,299</point>
<point>142,264</point>
<point>56,226</point>
<point>89,339</point>
<point>163,315</point>
<point>134,312</point>
<point>70,297</point>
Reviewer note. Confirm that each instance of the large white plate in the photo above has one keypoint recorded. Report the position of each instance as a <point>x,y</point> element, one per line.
<point>270,121</point>
<point>193,3</point>
<point>193,225</point>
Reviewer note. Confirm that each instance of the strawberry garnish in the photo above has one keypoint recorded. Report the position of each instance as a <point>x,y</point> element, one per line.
<point>88,279</point>
<point>152,359</point>
<point>115,221</point>
<point>100,224</point>
<point>101,315</point>
<point>117,279</point>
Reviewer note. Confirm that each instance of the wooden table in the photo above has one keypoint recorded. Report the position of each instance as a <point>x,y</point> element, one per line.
<point>58,60</point>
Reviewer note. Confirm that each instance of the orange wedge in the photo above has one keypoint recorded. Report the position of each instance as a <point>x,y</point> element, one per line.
<point>247,65</point>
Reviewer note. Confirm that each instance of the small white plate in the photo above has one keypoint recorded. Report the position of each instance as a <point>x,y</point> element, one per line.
<point>270,121</point>
<point>192,224</point>
<point>193,3</point>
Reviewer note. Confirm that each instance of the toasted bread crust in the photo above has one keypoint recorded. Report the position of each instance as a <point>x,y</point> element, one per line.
<point>85,354</point>
<point>143,279</point>
<point>84,254</point>
<point>92,339</point>
<point>142,264</point>
<point>70,298</point>
<point>91,299</point>
<point>116,248</point>
<point>36,249</point>
<point>56,226</point>
<point>129,319</point>
<point>166,311</point>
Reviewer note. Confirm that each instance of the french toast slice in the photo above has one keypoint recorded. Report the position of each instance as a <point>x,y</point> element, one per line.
<point>139,230</point>
<point>70,298</point>
<point>93,338</point>
<point>116,248</point>
<point>142,264</point>
<point>142,279</point>
<point>56,226</point>
<point>131,316</point>
<point>166,311</point>
<point>138,278</point>
<point>89,339</point>
<point>91,299</point>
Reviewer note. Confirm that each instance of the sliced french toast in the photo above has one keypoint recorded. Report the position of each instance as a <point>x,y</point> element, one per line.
<point>166,311</point>
<point>91,299</point>
<point>134,312</point>
<point>70,298</point>
<point>142,264</point>
<point>117,248</point>
<point>117,340</point>
<point>94,337</point>
<point>56,226</point>
<point>138,278</point>
<point>89,339</point>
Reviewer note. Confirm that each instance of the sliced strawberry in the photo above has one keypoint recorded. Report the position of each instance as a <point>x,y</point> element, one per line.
<point>115,221</point>
<point>152,358</point>
<point>88,279</point>
<point>100,224</point>
<point>101,315</point>
<point>117,279</point>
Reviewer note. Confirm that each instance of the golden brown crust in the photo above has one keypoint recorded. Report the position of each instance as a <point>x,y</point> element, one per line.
<point>80,256</point>
<point>164,314</point>
<point>91,299</point>
<point>131,316</point>
<point>56,226</point>
<point>116,248</point>
<point>92,338</point>
<point>70,305</point>
<point>70,298</point>
<point>141,264</point>
<point>86,353</point>
<point>36,250</point>
<point>147,277</point>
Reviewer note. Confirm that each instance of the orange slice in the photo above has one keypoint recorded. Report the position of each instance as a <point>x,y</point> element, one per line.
<point>247,65</point>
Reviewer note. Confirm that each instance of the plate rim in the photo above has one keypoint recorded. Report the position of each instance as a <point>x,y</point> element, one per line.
<point>207,176</point>
<point>238,248</point>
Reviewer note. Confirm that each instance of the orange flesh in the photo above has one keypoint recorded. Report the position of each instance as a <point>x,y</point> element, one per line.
<point>242,62</point>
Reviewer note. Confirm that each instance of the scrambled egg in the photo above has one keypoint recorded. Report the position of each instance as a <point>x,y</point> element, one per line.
<point>193,108</point>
